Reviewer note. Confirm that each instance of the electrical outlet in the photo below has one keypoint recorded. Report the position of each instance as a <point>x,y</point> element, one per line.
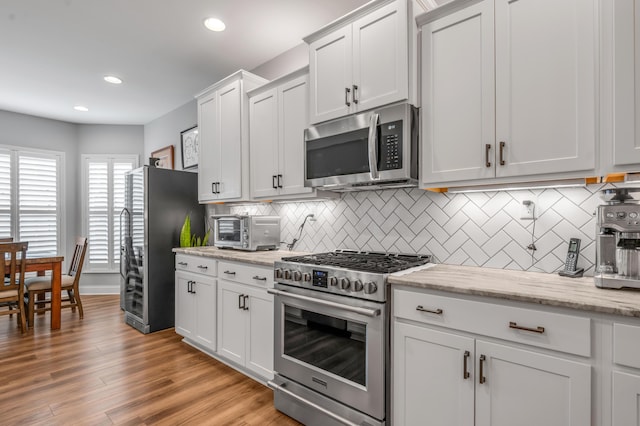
<point>528,210</point>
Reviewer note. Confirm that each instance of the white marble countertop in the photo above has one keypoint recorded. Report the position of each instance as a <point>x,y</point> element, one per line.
<point>262,258</point>
<point>533,287</point>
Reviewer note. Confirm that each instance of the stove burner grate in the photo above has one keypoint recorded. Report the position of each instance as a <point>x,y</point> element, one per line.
<point>376,262</point>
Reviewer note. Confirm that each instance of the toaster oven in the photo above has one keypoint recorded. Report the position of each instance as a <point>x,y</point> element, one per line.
<point>246,232</point>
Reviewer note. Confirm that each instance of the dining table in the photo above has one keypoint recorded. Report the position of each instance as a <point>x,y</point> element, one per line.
<point>41,265</point>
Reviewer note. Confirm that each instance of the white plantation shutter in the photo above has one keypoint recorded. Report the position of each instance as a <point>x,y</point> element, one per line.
<point>30,194</point>
<point>38,203</point>
<point>5,194</point>
<point>104,200</point>
<point>98,203</point>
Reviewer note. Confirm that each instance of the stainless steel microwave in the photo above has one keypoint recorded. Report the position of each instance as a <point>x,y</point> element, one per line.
<point>246,232</point>
<point>371,150</point>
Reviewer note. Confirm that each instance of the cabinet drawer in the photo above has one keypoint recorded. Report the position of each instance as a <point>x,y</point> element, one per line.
<point>260,276</point>
<point>626,345</point>
<point>197,264</point>
<point>565,333</point>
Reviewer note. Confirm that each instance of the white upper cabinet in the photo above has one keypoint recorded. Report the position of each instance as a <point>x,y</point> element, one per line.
<point>362,60</point>
<point>523,108</point>
<point>278,114</point>
<point>626,95</point>
<point>458,96</point>
<point>223,126</point>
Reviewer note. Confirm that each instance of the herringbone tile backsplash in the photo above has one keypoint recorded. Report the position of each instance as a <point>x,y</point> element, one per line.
<point>479,229</point>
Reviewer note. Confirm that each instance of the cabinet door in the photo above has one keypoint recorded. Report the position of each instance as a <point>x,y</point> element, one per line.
<point>293,119</point>
<point>204,293</point>
<point>229,135</point>
<point>626,135</point>
<point>380,57</point>
<point>263,139</point>
<point>545,85</point>
<point>429,384</point>
<point>185,323</point>
<point>231,322</point>
<point>626,399</point>
<point>530,389</point>
<point>259,355</point>
<point>209,154</point>
<point>330,69</point>
<point>458,96</point>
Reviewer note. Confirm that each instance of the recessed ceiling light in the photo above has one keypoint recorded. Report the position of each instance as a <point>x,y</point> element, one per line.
<point>81,108</point>
<point>214,24</point>
<point>112,79</point>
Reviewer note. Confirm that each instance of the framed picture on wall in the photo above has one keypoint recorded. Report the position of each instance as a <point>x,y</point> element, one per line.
<point>164,156</point>
<point>190,144</point>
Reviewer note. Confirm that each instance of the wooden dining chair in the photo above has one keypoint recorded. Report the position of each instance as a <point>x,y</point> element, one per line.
<point>36,288</point>
<point>12,290</point>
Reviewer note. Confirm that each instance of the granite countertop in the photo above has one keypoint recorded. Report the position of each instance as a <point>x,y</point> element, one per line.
<point>262,258</point>
<point>533,287</point>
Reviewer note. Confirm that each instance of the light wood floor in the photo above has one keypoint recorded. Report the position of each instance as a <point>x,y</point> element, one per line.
<point>100,371</point>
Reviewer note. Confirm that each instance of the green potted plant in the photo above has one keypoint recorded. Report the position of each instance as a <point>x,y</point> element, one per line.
<point>191,240</point>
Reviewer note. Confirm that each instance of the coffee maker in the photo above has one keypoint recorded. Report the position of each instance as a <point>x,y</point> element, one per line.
<point>618,239</point>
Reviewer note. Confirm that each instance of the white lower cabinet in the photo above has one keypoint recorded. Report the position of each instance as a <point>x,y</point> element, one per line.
<point>453,377</point>
<point>195,295</point>
<point>430,386</point>
<point>626,383</point>
<point>245,318</point>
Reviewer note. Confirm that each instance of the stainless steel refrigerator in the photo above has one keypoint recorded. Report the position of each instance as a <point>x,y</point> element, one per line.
<point>156,204</point>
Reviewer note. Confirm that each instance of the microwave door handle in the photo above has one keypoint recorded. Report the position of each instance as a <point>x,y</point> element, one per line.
<point>373,145</point>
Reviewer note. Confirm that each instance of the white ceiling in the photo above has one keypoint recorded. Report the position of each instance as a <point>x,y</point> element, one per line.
<point>54,53</point>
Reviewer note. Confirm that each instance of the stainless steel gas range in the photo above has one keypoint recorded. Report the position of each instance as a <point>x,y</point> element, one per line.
<point>332,342</point>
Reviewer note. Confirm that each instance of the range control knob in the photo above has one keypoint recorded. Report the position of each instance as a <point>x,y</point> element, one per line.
<point>357,285</point>
<point>345,284</point>
<point>306,277</point>
<point>333,281</point>
<point>370,287</point>
<point>297,276</point>
<point>286,274</point>
<point>277,273</point>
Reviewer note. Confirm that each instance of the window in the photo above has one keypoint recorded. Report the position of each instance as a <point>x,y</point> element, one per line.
<point>30,199</point>
<point>103,200</point>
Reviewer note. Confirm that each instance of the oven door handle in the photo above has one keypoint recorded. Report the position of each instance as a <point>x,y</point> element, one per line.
<point>373,145</point>
<point>278,388</point>
<point>355,309</point>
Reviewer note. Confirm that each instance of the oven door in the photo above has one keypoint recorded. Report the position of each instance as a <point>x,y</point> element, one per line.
<point>228,231</point>
<point>335,345</point>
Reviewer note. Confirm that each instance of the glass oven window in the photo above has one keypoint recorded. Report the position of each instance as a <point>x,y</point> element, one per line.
<point>229,230</point>
<point>343,154</point>
<point>331,344</point>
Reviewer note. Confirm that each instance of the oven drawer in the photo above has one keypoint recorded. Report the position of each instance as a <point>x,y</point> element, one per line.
<point>197,264</point>
<point>560,332</point>
<point>259,276</point>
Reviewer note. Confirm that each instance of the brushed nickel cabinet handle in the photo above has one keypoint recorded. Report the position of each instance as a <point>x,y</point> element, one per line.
<point>346,96</point>
<point>422,309</point>
<point>229,272</point>
<point>502,145</point>
<point>355,92</point>
<point>482,380</point>
<point>514,325</point>
<point>182,263</point>
<point>203,267</point>
<point>487,148</point>
<point>259,278</point>
<point>465,371</point>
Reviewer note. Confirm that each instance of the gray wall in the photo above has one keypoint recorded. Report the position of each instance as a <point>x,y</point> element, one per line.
<point>165,131</point>
<point>73,140</point>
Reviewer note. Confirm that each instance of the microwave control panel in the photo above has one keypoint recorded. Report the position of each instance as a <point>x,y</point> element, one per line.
<point>390,149</point>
